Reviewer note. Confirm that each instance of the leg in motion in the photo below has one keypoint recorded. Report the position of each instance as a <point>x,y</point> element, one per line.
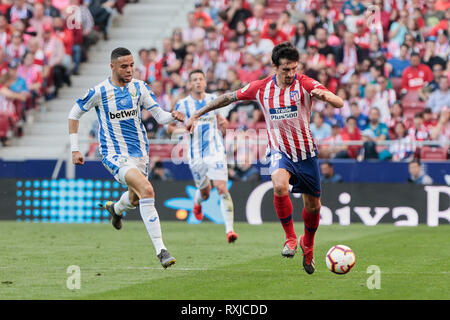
<point>284,210</point>
<point>140,185</point>
<point>201,195</point>
<point>311,217</point>
<point>227,209</point>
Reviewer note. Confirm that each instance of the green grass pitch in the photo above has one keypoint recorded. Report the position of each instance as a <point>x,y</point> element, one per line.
<point>414,262</point>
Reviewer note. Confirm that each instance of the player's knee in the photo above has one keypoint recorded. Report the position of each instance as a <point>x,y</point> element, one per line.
<point>147,192</point>
<point>280,189</point>
<point>313,208</point>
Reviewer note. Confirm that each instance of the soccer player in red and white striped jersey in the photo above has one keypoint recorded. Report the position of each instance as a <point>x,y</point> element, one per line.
<point>285,100</point>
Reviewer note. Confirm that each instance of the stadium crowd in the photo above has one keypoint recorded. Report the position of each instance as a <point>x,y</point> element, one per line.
<point>388,60</point>
<point>42,44</point>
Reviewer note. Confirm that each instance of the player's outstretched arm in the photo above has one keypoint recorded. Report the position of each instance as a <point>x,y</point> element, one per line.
<point>219,102</point>
<point>329,97</point>
<point>77,157</point>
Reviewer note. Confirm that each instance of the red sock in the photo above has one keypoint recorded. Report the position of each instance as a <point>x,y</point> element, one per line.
<point>311,222</point>
<point>284,209</point>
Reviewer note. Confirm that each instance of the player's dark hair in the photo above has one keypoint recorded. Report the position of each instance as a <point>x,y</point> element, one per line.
<point>194,72</point>
<point>285,50</point>
<point>120,52</point>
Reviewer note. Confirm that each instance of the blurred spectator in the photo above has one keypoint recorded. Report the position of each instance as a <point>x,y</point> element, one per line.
<point>331,145</point>
<point>441,132</point>
<point>193,32</point>
<point>213,40</point>
<point>316,61</point>
<point>384,94</point>
<point>321,36</point>
<point>300,38</point>
<point>220,68</point>
<point>350,132</point>
<point>39,18</point>
<point>416,174</point>
<point>402,147</point>
<point>396,64</point>
<point>257,21</point>
<point>199,13</point>
<point>260,48</point>
<point>361,119</point>
<point>428,119</point>
<point>430,57</point>
<point>416,75</point>
<point>32,75</point>
<point>274,34</point>
<point>251,69</point>
<point>18,11</point>
<point>50,10</point>
<point>236,12</point>
<point>319,128</point>
<point>441,97</point>
<point>348,56</point>
<point>331,117</point>
<point>242,34</point>
<point>327,174</point>
<point>16,49</point>
<point>283,24</point>
<point>54,53</point>
<point>398,29</point>
<point>101,11</point>
<point>418,131</point>
<point>396,116</point>
<point>158,172</point>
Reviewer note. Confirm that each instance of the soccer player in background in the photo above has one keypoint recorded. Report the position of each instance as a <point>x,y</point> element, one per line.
<point>285,100</point>
<point>119,101</point>
<point>207,159</point>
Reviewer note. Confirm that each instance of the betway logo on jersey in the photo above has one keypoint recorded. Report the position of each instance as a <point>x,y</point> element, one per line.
<point>283,113</point>
<point>206,119</point>
<point>123,114</point>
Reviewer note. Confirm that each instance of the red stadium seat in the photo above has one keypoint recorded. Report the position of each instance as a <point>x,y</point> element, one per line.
<point>410,109</point>
<point>164,151</point>
<point>433,153</point>
<point>396,84</point>
<point>411,97</point>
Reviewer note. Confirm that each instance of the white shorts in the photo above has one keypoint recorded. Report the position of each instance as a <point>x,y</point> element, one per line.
<point>118,165</point>
<point>204,170</point>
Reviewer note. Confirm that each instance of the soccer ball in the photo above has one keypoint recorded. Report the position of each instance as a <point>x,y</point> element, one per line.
<point>340,259</point>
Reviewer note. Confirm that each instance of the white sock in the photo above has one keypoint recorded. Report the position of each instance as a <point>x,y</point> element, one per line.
<point>198,197</point>
<point>151,220</point>
<point>227,209</point>
<point>123,204</point>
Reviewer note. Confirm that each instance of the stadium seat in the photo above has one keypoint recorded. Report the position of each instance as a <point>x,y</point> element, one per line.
<point>411,99</point>
<point>410,109</point>
<point>396,84</point>
<point>164,151</point>
<point>429,153</point>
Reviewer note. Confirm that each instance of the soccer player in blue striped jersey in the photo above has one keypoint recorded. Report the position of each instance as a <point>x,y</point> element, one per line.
<point>118,102</point>
<point>206,152</point>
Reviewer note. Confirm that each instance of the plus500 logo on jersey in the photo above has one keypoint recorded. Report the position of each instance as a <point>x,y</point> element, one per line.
<point>123,114</point>
<point>283,113</point>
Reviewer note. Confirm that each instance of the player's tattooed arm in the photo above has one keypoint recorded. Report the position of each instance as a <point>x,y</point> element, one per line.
<point>220,102</point>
